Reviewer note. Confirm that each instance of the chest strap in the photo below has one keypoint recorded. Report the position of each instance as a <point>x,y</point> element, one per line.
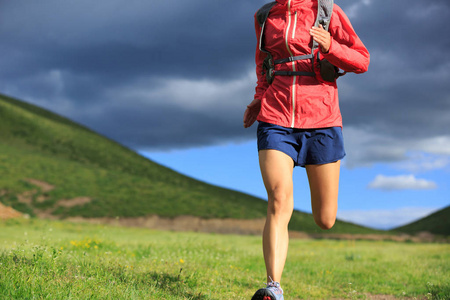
<point>269,67</point>
<point>327,70</point>
<point>293,73</point>
<point>293,58</point>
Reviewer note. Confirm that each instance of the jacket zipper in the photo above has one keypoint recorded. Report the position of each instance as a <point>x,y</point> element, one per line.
<point>294,80</point>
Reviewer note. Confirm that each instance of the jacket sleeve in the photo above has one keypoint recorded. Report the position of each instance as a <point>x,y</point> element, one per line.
<point>347,52</point>
<point>261,84</point>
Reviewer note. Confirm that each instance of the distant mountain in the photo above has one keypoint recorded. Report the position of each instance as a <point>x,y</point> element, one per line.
<point>51,166</point>
<point>436,223</point>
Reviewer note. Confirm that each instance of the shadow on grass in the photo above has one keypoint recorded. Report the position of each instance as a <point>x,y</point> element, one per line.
<point>177,285</point>
<point>438,292</point>
<point>174,285</point>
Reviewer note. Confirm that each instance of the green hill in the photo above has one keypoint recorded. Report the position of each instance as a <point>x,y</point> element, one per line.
<point>92,176</point>
<point>436,223</point>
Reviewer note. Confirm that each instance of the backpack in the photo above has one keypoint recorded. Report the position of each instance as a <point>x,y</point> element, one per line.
<point>328,72</point>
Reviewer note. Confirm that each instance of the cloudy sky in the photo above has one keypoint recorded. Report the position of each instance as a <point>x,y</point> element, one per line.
<point>171,79</point>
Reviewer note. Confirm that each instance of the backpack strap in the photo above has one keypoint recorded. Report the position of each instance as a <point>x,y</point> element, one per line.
<point>324,12</point>
<point>261,16</point>
<point>292,58</point>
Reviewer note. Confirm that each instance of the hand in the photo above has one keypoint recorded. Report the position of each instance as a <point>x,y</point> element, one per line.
<point>251,113</point>
<point>322,37</point>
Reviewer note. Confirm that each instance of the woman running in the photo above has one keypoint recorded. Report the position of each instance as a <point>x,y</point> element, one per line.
<point>299,119</point>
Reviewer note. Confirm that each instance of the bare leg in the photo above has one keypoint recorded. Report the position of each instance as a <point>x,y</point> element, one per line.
<point>276,169</point>
<point>324,186</point>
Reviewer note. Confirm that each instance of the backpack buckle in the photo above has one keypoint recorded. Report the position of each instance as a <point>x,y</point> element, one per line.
<point>268,68</point>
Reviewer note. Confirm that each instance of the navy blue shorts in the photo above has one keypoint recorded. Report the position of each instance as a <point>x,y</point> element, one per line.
<point>304,146</point>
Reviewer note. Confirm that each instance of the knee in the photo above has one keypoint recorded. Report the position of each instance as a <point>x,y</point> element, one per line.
<point>325,223</point>
<point>280,202</point>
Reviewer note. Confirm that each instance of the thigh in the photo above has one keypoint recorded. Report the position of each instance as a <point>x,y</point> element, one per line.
<point>276,170</point>
<point>324,185</point>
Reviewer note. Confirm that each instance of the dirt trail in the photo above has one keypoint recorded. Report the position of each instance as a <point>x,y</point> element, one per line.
<point>7,212</point>
<point>73,202</point>
<point>233,226</point>
<point>189,223</point>
<point>183,223</point>
<point>45,187</point>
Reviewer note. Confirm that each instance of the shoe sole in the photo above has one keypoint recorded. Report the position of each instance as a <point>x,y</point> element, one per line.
<point>263,294</point>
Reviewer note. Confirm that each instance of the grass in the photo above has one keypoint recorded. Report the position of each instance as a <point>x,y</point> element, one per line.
<point>60,260</point>
<point>38,144</point>
<point>437,223</point>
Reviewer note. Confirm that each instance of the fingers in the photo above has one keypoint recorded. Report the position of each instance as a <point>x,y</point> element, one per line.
<point>246,118</point>
<point>321,36</point>
<point>319,33</point>
<point>249,118</point>
<point>252,112</point>
<point>318,30</point>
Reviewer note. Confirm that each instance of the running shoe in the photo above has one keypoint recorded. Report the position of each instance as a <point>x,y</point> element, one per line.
<point>272,291</point>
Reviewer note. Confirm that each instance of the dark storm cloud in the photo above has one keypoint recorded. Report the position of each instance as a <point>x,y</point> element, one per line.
<point>168,74</point>
<point>119,39</point>
<point>403,102</point>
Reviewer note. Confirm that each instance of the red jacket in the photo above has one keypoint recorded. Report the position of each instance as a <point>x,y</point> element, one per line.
<point>304,101</point>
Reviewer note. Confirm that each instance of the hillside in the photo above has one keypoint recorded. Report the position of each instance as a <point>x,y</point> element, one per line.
<point>436,223</point>
<point>52,166</point>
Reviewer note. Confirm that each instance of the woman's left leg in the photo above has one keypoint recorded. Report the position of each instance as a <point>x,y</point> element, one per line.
<point>324,185</point>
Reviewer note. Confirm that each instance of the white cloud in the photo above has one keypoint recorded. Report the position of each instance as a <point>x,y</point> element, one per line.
<point>423,162</point>
<point>402,182</point>
<point>385,218</point>
<point>190,94</point>
<point>365,147</point>
<point>436,145</point>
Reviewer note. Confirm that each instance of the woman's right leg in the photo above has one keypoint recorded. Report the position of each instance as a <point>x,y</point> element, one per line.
<point>276,169</point>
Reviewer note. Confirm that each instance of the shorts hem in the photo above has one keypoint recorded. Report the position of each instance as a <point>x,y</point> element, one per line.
<point>270,148</point>
<point>323,162</point>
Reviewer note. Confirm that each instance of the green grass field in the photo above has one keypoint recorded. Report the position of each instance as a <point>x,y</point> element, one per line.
<point>438,223</point>
<point>60,260</point>
<point>38,144</point>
